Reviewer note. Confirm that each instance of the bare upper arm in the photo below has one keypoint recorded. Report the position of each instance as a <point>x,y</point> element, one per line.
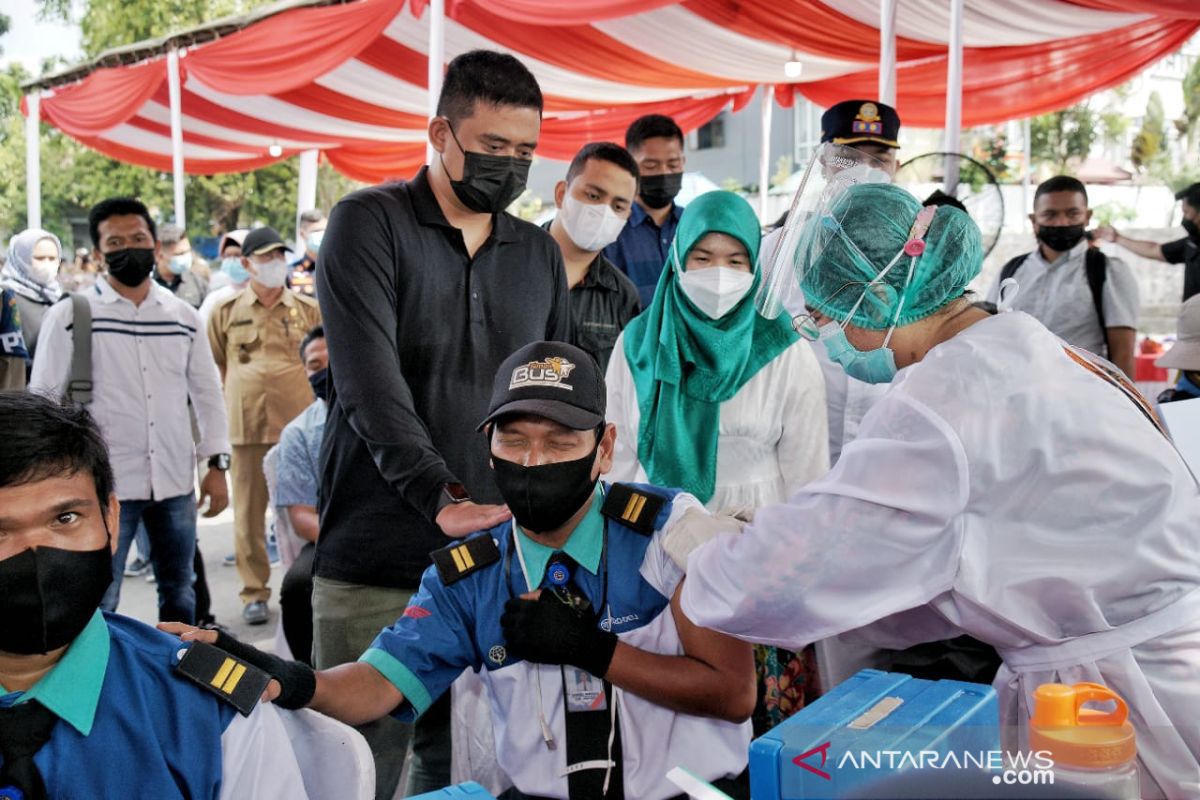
<point>719,651</point>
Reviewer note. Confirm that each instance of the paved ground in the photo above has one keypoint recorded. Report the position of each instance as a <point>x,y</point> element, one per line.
<point>139,598</point>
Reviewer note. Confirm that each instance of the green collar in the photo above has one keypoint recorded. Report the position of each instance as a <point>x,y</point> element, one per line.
<point>584,544</point>
<point>71,689</point>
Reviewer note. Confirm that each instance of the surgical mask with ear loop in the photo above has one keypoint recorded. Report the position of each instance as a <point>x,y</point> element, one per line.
<point>715,291</point>
<point>878,365</point>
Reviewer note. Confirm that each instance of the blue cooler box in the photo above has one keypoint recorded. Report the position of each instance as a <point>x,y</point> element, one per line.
<point>828,748</point>
<point>463,791</point>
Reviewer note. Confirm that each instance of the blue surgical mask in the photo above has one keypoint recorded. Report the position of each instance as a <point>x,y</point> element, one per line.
<point>314,240</point>
<point>181,264</point>
<point>873,366</point>
<point>234,269</point>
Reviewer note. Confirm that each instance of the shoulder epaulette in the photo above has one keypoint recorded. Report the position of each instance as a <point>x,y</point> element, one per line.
<point>228,677</point>
<point>633,507</point>
<point>464,558</point>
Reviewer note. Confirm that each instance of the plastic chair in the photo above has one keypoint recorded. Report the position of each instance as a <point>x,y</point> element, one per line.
<point>334,759</point>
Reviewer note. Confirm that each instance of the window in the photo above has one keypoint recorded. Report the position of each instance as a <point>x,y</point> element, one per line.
<point>711,135</point>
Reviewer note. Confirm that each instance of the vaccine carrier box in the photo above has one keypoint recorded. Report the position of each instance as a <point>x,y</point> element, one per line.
<point>871,726</point>
<point>463,791</point>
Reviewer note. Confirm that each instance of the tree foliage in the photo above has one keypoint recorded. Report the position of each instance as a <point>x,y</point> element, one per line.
<point>74,177</point>
<point>1065,137</point>
<point>1147,148</point>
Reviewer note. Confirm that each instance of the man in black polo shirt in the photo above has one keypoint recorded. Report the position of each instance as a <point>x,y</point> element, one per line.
<point>425,286</point>
<point>1184,251</point>
<point>594,202</point>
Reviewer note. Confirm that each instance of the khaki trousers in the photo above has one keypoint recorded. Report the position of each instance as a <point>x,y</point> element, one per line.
<point>250,520</point>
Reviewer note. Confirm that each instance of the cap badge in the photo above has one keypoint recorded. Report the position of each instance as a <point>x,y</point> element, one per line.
<point>867,120</point>
<point>549,372</point>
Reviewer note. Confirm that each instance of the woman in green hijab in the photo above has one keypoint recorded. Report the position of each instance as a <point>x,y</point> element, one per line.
<point>714,399</point>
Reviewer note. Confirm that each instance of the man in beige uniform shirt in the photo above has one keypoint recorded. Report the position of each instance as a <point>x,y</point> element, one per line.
<point>255,336</point>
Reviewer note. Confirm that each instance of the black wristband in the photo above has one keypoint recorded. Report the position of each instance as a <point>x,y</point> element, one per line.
<point>595,652</point>
<point>297,681</point>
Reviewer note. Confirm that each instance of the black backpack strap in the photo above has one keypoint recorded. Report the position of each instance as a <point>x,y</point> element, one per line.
<point>79,387</point>
<point>1012,266</point>
<point>1096,265</point>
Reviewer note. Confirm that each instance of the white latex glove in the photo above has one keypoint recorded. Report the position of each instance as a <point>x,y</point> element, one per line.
<point>693,529</point>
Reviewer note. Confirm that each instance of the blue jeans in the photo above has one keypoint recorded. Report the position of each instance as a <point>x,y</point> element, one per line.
<point>171,526</point>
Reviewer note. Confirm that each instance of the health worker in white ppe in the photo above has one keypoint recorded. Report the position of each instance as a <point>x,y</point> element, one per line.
<point>1006,486</point>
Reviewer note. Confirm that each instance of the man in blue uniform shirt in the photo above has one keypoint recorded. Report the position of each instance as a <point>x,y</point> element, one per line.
<point>598,684</point>
<point>89,706</point>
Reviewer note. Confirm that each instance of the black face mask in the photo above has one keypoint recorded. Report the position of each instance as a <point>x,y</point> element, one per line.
<point>130,266</point>
<point>1060,238</point>
<point>319,381</point>
<point>49,596</point>
<point>489,183</point>
<point>658,191</point>
<point>1193,230</point>
<point>544,497</point>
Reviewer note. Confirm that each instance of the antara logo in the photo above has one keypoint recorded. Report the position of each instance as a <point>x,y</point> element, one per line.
<point>823,749</point>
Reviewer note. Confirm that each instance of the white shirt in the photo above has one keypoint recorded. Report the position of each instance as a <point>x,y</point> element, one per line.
<point>147,361</point>
<point>771,438</point>
<point>257,759</point>
<point>998,489</point>
<point>215,296</point>
<point>1057,294</point>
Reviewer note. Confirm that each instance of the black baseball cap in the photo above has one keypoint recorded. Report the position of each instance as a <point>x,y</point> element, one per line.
<point>263,240</point>
<point>554,380</point>
<point>1191,194</point>
<point>857,121</point>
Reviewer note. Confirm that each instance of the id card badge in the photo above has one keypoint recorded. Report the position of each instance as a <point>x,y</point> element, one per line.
<point>583,691</point>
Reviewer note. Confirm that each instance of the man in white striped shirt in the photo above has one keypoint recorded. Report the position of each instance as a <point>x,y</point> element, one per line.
<point>150,356</point>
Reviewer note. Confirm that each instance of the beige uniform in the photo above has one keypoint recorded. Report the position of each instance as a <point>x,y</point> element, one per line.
<point>257,349</point>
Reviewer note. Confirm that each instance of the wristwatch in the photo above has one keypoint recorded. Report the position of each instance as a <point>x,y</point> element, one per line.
<point>219,461</point>
<point>455,493</point>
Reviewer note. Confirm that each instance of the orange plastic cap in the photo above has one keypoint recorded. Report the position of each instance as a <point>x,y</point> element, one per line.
<point>1081,737</point>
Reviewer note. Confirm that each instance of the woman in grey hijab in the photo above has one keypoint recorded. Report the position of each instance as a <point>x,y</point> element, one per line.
<point>31,272</point>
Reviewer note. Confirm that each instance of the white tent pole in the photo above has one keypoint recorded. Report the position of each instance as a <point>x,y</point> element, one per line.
<point>437,57</point>
<point>1027,178</point>
<point>887,52</point>
<point>33,161</point>
<point>306,187</point>
<point>764,162</point>
<point>954,96</point>
<point>176,135</point>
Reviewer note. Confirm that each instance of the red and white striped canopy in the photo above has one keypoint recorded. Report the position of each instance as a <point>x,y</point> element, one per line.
<point>350,79</point>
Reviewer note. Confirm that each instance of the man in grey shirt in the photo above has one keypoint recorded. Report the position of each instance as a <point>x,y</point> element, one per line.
<point>1053,282</point>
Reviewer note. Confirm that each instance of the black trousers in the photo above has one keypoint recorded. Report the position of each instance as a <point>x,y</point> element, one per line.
<point>203,598</point>
<point>295,604</point>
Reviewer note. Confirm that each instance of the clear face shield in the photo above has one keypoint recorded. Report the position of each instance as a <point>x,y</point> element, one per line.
<point>832,169</point>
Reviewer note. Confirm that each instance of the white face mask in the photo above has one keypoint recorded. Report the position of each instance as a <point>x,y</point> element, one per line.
<point>592,227</point>
<point>272,274</point>
<point>715,290</point>
<point>43,270</point>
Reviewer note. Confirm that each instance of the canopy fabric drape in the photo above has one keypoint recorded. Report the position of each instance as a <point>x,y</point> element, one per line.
<point>349,79</point>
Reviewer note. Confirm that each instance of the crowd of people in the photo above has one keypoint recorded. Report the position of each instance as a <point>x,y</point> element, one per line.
<point>614,470</point>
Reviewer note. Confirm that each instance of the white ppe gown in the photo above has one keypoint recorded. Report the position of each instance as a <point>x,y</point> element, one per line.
<point>998,489</point>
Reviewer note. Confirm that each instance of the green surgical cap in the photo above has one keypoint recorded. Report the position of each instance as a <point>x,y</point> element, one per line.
<point>860,233</point>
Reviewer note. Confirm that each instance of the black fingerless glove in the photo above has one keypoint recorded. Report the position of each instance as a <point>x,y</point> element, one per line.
<point>298,682</point>
<point>550,631</point>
